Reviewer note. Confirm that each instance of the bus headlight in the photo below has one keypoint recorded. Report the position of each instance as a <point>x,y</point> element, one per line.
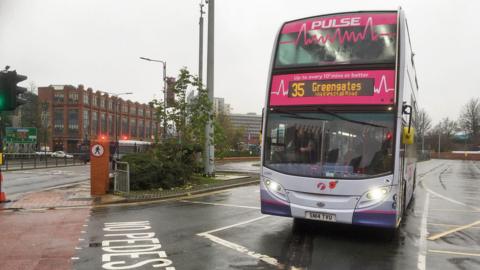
<point>373,196</point>
<point>276,189</point>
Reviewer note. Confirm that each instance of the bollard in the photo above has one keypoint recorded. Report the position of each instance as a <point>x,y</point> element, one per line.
<point>3,196</point>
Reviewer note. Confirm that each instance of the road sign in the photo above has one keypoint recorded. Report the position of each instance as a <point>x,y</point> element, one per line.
<point>97,150</point>
<point>21,135</point>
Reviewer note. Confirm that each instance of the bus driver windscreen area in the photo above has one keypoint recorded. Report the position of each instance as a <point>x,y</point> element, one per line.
<point>315,144</point>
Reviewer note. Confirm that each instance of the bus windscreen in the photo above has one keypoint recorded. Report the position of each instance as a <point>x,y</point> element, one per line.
<point>354,38</point>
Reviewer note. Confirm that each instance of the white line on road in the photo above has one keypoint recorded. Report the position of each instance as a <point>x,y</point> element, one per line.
<point>460,228</point>
<point>233,225</point>
<point>237,247</point>
<point>422,254</point>
<point>454,252</point>
<point>241,249</point>
<point>221,204</point>
<point>449,199</point>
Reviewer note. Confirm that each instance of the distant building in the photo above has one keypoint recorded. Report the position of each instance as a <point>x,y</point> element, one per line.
<point>251,123</point>
<point>76,114</point>
<point>219,106</point>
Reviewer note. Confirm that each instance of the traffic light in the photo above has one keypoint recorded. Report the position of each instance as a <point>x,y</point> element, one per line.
<point>10,93</point>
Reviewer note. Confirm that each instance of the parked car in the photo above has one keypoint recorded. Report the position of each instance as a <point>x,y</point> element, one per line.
<point>61,154</point>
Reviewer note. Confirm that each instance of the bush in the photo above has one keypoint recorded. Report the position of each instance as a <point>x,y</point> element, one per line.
<point>165,166</point>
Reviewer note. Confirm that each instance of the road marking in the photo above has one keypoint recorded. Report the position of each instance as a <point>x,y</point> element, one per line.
<point>449,199</point>
<point>75,258</point>
<point>455,210</point>
<point>123,242</point>
<point>451,225</point>
<point>237,247</point>
<point>241,249</point>
<point>422,254</point>
<point>440,235</point>
<point>454,252</point>
<point>233,225</point>
<point>221,204</point>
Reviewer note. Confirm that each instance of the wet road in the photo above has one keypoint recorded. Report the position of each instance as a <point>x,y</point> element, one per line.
<point>225,230</point>
<point>16,182</point>
<point>242,166</point>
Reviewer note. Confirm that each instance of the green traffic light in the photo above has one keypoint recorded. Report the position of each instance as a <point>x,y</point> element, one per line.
<point>10,93</point>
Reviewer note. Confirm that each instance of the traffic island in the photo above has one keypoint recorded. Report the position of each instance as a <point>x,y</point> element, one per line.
<point>197,186</point>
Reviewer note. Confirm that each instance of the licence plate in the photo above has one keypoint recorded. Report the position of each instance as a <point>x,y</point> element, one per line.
<point>321,216</point>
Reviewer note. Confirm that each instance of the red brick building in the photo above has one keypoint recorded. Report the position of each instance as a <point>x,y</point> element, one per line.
<point>78,114</point>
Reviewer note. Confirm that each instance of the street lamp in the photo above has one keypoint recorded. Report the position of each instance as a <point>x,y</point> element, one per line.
<point>164,64</point>
<point>115,112</point>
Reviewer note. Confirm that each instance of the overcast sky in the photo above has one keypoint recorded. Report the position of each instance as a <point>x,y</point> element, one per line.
<point>98,43</point>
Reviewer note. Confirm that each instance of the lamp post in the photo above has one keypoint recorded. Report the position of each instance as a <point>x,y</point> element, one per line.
<point>164,64</point>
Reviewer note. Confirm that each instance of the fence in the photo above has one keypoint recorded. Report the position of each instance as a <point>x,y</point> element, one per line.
<point>122,177</point>
<point>24,161</point>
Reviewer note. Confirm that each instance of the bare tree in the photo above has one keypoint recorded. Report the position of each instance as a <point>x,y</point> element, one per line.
<point>423,124</point>
<point>470,117</point>
<point>448,127</point>
<point>444,131</point>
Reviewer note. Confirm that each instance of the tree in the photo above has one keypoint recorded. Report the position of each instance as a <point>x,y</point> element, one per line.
<point>423,124</point>
<point>227,137</point>
<point>470,118</point>
<point>444,131</point>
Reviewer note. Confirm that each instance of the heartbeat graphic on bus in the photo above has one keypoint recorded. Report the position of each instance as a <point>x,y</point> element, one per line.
<point>346,36</point>
<point>383,86</point>
<point>281,89</point>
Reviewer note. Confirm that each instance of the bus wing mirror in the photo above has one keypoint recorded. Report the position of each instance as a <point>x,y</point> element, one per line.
<point>408,135</point>
<point>407,109</point>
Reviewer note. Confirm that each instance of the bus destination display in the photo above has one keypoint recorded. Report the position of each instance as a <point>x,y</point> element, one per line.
<point>331,88</point>
<point>336,88</point>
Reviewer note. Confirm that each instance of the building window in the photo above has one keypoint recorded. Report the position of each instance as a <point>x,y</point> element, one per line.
<point>140,112</point>
<point>58,121</point>
<point>94,123</point>
<point>124,108</point>
<point>73,121</point>
<point>110,125</point>
<point>133,110</point>
<point>125,127</point>
<point>94,101</point>
<point>141,129</point>
<point>86,99</point>
<point>103,123</point>
<point>133,128</point>
<point>148,129</point>
<point>58,97</point>
<point>86,123</point>
<point>102,102</point>
<point>73,98</point>
<point>155,130</point>
<point>110,105</point>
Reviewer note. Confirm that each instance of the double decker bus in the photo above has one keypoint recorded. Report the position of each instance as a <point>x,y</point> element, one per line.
<point>338,136</point>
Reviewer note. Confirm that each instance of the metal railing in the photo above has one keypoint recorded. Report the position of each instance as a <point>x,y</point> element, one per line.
<point>25,161</point>
<point>122,177</point>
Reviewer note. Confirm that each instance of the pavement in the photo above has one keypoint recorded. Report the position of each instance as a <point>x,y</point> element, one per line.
<point>20,182</point>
